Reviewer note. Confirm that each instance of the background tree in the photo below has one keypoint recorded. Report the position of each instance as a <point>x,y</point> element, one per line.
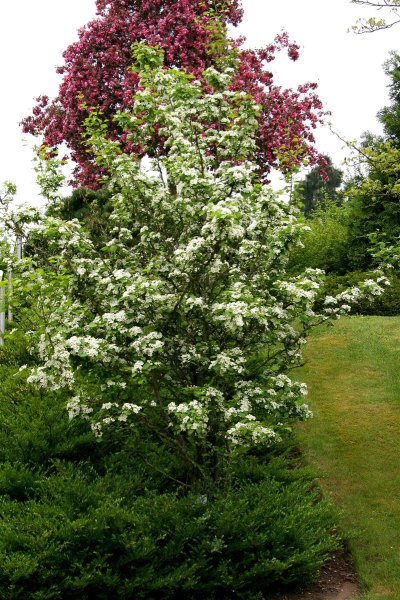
<point>373,192</point>
<point>375,204</point>
<point>90,206</point>
<point>318,186</point>
<point>325,244</point>
<point>389,116</point>
<point>193,34</point>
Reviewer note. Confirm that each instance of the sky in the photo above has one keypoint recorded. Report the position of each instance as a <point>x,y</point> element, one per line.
<point>347,67</point>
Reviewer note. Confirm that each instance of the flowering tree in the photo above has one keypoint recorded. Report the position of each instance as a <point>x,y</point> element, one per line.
<point>185,324</point>
<point>193,34</point>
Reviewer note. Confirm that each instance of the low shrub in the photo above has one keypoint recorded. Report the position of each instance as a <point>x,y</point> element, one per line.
<point>82,519</point>
<point>79,535</point>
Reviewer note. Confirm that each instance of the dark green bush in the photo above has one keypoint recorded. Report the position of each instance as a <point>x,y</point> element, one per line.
<point>387,305</point>
<point>84,536</point>
<point>34,426</point>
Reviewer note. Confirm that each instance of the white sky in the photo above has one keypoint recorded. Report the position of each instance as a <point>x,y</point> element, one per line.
<point>348,68</point>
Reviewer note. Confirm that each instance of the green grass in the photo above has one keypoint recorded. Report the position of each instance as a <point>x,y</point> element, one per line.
<point>353,373</point>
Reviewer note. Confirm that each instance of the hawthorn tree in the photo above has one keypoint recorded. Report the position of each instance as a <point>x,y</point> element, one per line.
<point>193,34</point>
<point>185,324</point>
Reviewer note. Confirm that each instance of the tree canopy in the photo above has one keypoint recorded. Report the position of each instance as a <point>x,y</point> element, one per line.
<point>97,74</point>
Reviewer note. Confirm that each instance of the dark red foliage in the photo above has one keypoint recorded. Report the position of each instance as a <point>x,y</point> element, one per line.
<point>96,74</point>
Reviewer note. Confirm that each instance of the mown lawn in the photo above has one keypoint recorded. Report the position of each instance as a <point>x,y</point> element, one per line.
<point>353,373</point>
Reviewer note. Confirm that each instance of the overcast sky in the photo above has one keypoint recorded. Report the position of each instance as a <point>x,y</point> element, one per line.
<point>348,68</point>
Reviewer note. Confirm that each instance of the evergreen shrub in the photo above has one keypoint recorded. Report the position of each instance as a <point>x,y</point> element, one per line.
<point>75,534</point>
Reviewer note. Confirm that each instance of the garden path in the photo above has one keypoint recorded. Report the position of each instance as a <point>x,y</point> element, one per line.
<point>337,581</point>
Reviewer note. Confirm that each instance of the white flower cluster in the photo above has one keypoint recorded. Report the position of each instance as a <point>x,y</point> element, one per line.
<point>231,361</point>
<point>190,416</point>
<point>85,346</point>
<point>250,434</point>
<point>147,345</point>
<point>76,407</point>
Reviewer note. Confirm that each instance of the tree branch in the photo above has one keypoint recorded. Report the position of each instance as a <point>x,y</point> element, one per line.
<point>379,5</point>
<point>371,28</point>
